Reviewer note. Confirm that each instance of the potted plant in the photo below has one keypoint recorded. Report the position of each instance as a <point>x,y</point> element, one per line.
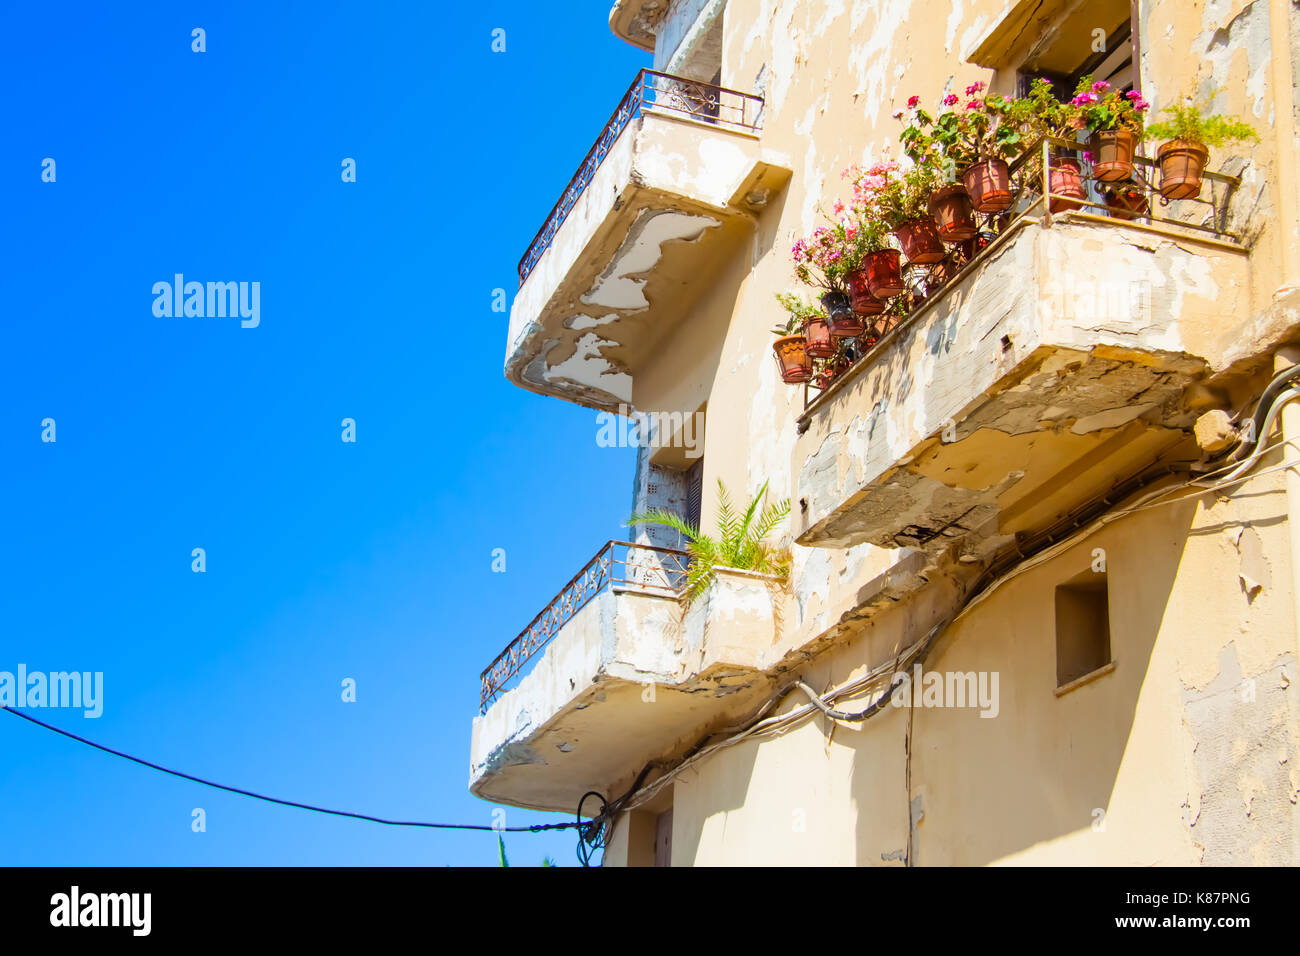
<point>973,144</point>
<point>811,321</point>
<point>1183,154</point>
<point>900,202</point>
<point>821,262</point>
<point>1046,116</point>
<point>869,258</point>
<point>899,199</point>
<point>1114,119</point>
<point>946,143</point>
<point>790,349</point>
<point>741,543</point>
<point>1126,201</point>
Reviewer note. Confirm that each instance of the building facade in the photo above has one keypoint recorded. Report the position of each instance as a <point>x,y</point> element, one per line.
<point>1044,563</point>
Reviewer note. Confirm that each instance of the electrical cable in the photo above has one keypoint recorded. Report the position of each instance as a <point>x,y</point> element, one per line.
<point>535,828</point>
<point>1264,416</point>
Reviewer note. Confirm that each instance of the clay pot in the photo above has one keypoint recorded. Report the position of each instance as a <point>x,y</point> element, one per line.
<point>952,212</point>
<point>989,184</point>
<point>792,359</point>
<point>1066,180</point>
<point>1181,164</point>
<point>884,273</point>
<point>859,294</point>
<point>862,301</point>
<point>920,241</point>
<point>1123,206</point>
<point>1112,154</point>
<point>817,335</point>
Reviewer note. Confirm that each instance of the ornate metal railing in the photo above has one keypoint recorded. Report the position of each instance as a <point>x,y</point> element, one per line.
<point>649,92</point>
<point>1031,185</point>
<point>643,568</point>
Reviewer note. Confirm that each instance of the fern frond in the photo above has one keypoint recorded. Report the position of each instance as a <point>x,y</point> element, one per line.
<point>668,519</point>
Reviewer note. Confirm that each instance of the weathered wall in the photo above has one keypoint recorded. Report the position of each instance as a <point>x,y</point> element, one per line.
<point>1185,753</point>
<point>1160,744</point>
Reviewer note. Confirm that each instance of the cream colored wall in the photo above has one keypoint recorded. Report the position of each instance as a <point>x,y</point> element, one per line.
<point>1167,751</point>
<point>1158,745</point>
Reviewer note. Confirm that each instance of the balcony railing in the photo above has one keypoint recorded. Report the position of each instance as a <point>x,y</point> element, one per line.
<point>1032,195</point>
<point>642,568</point>
<point>650,92</point>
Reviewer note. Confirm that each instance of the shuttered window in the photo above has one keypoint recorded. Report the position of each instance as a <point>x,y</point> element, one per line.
<point>694,492</point>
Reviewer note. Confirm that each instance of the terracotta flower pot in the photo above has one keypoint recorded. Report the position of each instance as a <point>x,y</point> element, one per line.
<point>884,273</point>
<point>920,241</point>
<point>952,212</point>
<point>1112,154</point>
<point>1122,205</point>
<point>1181,165</point>
<point>862,301</point>
<point>792,359</point>
<point>989,184</point>
<point>817,335</point>
<point>1066,180</point>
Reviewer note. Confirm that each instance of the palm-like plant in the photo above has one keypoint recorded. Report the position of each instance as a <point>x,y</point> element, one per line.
<point>740,543</point>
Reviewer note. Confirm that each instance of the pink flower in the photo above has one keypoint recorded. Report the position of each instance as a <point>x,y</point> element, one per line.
<point>974,105</point>
<point>838,207</point>
<point>1142,106</point>
<point>912,102</point>
<point>1087,98</point>
<point>950,99</point>
<point>974,88</point>
<point>1100,86</point>
<point>1133,95</point>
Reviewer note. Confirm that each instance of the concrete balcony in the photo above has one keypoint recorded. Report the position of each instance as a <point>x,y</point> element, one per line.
<point>1062,356</point>
<point>664,199</point>
<point>630,673</point>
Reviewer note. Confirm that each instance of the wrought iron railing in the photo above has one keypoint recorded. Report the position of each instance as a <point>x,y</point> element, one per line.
<point>643,568</point>
<point>1032,195</point>
<point>649,92</point>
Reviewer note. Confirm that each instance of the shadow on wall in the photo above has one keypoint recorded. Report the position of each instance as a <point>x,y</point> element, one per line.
<point>985,788</point>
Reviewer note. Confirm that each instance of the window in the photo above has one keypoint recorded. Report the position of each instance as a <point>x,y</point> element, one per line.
<point>1082,627</point>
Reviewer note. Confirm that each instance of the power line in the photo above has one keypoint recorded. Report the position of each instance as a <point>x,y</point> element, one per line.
<point>535,828</point>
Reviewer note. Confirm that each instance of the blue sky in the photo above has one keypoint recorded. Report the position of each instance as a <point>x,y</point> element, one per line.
<point>325,560</point>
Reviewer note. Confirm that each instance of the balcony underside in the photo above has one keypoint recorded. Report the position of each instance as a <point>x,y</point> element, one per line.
<point>671,204</point>
<point>630,678</point>
<point>1060,361</point>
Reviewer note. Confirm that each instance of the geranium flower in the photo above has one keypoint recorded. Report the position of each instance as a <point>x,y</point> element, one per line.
<point>1133,95</point>
<point>1100,86</point>
<point>950,99</point>
<point>912,102</point>
<point>974,88</point>
<point>974,105</point>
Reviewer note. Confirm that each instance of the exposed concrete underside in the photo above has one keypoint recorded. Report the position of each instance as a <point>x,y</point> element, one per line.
<point>1050,373</point>
<point>669,206</point>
